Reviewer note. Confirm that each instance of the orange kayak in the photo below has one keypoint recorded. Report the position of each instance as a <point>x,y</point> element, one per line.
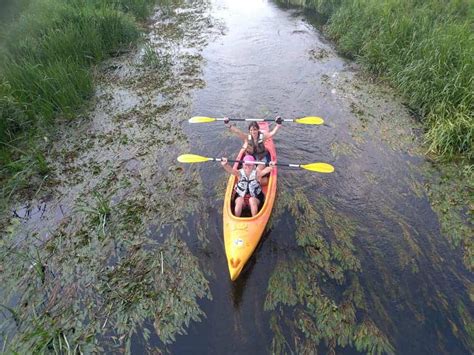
<point>242,234</point>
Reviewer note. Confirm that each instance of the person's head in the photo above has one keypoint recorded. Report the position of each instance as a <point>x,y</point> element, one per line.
<point>249,161</point>
<point>253,129</point>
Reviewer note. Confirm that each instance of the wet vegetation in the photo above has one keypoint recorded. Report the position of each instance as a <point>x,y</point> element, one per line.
<point>92,288</point>
<point>103,259</point>
<point>318,298</point>
<point>305,289</point>
<point>425,49</point>
<point>452,199</point>
<point>47,58</point>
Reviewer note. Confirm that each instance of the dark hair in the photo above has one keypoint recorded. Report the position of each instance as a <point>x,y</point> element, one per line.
<point>254,124</point>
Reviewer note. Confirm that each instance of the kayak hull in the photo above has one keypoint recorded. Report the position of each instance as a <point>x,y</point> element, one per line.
<point>242,234</point>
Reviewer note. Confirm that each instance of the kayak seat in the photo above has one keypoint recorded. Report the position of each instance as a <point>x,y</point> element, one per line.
<point>246,201</point>
<point>246,209</point>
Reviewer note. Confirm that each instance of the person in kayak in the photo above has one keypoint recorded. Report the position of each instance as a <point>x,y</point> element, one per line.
<point>248,183</point>
<point>254,141</point>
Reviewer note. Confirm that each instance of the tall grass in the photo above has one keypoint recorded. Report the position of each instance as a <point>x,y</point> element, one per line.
<point>425,49</point>
<point>46,58</point>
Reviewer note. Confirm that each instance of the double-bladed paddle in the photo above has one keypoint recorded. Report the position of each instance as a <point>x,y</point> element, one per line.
<point>318,167</point>
<point>303,120</point>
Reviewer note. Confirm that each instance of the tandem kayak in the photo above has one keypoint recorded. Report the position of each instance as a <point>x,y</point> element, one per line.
<point>242,234</point>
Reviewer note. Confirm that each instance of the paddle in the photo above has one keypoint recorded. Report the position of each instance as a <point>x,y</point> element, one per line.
<point>318,167</point>
<point>303,120</point>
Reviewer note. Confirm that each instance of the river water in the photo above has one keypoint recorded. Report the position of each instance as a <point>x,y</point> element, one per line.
<point>351,262</point>
<point>383,258</point>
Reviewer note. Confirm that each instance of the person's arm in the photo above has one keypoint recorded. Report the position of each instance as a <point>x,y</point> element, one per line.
<point>278,121</point>
<point>228,168</point>
<point>266,170</point>
<point>232,128</point>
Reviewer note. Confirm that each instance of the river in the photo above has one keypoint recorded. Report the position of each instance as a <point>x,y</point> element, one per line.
<point>351,262</point>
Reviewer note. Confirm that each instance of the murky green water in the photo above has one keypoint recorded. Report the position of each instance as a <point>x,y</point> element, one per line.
<point>352,261</point>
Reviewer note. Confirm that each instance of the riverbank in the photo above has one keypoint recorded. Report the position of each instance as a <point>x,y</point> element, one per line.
<point>425,51</point>
<point>93,256</point>
<point>48,57</point>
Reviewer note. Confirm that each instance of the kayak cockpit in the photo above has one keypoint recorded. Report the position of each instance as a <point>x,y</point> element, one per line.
<point>246,213</point>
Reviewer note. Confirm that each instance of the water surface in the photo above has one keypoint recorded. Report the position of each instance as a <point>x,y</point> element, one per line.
<point>352,261</point>
<point>355,251</point>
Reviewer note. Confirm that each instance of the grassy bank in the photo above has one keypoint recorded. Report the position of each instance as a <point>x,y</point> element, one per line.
<point>112,268</point>
<point>46,61</point>
<point>425,49</point>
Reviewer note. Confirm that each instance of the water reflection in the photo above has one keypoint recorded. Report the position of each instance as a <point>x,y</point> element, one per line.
<point>238,286</point>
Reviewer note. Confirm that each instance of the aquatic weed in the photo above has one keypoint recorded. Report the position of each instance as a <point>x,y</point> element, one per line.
<point>107,286</point>
<point>303,282</point>
<point>99,212</point>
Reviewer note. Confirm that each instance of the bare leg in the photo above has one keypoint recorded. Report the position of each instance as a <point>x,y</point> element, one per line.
<point>239,203</point>
<point>254,202</point>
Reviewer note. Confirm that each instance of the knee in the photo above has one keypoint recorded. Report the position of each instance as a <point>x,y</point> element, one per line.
<point>239,201</point>
<point>254,201</point>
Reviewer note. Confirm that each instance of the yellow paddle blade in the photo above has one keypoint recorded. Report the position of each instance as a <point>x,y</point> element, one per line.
<point>192,158</point>
<point>319,167</point>
<point>201,119</point>
<point>310,120</point>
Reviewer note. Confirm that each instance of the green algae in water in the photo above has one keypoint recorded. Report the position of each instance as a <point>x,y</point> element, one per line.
<point>109,284</point>
<point>89,282</point>
<point>300,288</point>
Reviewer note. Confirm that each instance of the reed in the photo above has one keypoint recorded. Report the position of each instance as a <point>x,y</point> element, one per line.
<point>46,61</point>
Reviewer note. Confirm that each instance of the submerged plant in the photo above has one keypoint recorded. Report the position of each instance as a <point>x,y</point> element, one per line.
<point>83,286</point>
<point>301,282</point>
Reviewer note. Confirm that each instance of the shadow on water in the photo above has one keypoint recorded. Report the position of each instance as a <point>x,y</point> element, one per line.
<point>238,286</point>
